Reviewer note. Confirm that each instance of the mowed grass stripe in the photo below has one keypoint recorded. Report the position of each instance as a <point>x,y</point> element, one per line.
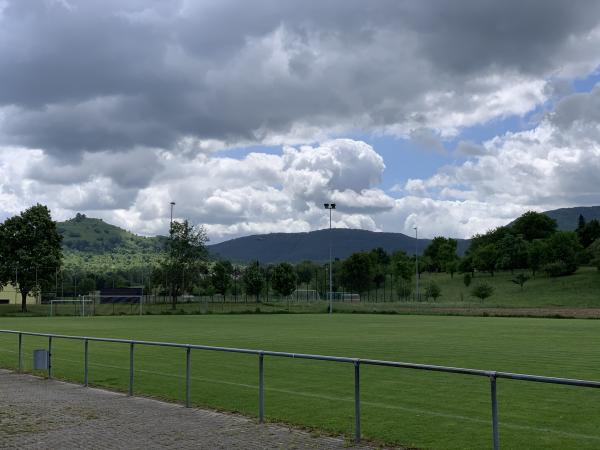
<point>298,393</point>
<point>399,406</point>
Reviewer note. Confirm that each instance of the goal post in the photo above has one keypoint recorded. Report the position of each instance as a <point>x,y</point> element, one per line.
<point>305,294</point>
<point>77,307</point>
<point>344,296</point>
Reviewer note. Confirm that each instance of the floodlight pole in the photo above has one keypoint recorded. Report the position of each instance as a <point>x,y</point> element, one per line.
<point>171,222</point>
<point>171,247</point>
<point>417,260</point>
<point>330,206</point>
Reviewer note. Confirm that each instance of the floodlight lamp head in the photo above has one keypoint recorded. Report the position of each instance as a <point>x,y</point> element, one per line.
<point>326,205</point>
<point>172,203</point>
<point>333,206</point>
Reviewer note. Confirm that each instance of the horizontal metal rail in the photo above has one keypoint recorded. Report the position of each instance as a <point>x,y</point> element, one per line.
<point>356,362</point>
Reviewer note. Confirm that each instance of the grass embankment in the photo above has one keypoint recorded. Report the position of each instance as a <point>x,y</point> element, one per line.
<point>413,408</point>
<point>582,289</point>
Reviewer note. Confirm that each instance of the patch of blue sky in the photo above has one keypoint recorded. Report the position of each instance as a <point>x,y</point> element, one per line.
<point>242,152</point>
<point>588,83</point>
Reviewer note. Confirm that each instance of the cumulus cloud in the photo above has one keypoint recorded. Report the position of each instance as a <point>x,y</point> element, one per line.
<point>194,76</point>
<point>256,194</point>
<point>553,165</point>
<point>118,107</point>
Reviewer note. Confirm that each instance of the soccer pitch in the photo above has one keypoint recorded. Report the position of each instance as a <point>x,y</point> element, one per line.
<point>401,406</point>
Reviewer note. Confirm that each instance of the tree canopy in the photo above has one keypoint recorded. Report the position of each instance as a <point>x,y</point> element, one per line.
<point>30,251</point>
<point>185,260</point>
<point>533,225</point>
<point>284,279</point>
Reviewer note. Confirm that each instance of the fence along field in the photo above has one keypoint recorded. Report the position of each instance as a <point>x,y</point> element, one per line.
<point>419,409</point>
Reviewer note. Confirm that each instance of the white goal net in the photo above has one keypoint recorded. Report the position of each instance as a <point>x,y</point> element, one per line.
<point>83,306</point>
<point>343,296</point>
<point>305,294</point>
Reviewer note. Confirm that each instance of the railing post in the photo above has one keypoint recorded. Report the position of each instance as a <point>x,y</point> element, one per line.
<point>131,345</point>
<point>20,352</point>
<point>495,436</point>
<point>49,356</point>
<point>357,401</point>
<point>261,388</point>
<point>187,377</point>
<point>85,362</point>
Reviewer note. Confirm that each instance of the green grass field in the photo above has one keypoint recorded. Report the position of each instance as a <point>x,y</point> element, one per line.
<point>582,289</point>
<point>401,406</point>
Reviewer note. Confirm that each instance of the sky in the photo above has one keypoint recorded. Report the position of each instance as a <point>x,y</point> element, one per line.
<point>454,117</point>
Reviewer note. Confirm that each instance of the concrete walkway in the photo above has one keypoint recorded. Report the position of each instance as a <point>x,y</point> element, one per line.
<point>48,414</point>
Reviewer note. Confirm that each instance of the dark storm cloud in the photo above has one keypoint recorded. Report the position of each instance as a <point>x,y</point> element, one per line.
<point>128,170</point>
<point>114,75</point>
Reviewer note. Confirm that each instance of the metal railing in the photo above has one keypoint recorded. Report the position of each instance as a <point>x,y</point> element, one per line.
<point>356,362</point>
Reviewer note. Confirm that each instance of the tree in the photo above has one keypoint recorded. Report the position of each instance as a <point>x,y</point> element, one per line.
<point>467,279</point>
<point>380,256</point>
<point>441,251</point>
<point>402,266</point>
<point>381,261</point>
<point>533,225</point>
<point>451,267</point>
<point>563,248</point>
<point>512,252</point>
<point>305,271</point>
<point>221,276</point>
<point>594,251</point>
<point>482,291</point>
<point>580,223</point>
<point>357,272</point>
<point>433,291</point>
<point>185,260</point>
<point>485,258</point>
<point>30,251</point>
<point>253,280</point>
<point>284,279</point>
<point>536,254</point>
<point>520,279</point>
<point>589,233</point>
<point>465,265</point>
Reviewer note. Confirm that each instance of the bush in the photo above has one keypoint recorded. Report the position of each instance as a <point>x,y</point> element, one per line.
<point>482,291</point>
<point>558,269</point>
<point>404,291</point>
<point>433,291</point>
<point>467,279</point>
<point>520,279</point>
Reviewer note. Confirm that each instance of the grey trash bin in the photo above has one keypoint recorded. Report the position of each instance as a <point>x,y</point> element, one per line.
<point>40,359</point>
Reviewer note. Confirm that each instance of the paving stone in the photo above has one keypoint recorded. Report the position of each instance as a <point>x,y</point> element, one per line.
<point>37,413</point>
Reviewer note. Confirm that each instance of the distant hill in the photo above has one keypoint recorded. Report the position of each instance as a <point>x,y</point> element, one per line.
<point>567,218</point>
<point>93,238</point>
<point>85,234</point>
<point>314,245</point>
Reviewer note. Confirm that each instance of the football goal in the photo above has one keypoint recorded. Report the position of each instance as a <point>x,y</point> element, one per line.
<point>343,296</point>
<point>305,294</point>
<point>82,306</point>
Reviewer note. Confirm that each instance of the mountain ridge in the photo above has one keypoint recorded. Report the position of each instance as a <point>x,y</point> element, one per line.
<point>89,236</point>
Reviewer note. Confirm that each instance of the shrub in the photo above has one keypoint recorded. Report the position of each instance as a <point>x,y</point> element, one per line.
<point>520,279</point>
<point>557,269</point>
<point>433,291</point>
<point>467,279</point>
<point>482,291</point>
<point>404,290</point>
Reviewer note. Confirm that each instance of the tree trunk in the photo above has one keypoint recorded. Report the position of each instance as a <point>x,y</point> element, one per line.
<point>23,301</point>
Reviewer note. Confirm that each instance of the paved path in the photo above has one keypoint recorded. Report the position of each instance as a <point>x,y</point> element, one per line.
<point>48,414</point>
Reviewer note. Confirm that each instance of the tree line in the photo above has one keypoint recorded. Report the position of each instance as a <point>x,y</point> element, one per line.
<point>31,258</point>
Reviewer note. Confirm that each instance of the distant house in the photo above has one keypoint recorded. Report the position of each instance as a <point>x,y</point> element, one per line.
<point>11,296</point>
